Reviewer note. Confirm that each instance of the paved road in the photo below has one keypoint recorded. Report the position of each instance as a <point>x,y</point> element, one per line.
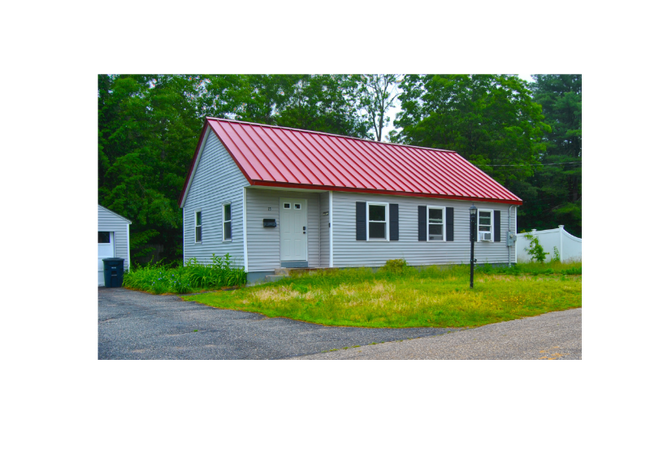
<point>135,325</point>
<point>552,336</point>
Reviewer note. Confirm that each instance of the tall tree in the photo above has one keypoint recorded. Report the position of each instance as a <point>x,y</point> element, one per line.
<point>148,129</point>
<point>376,95</point>
<point>325,103</point>
<point>489,119</point>
<point>558,182</point>
<point>315,102</point>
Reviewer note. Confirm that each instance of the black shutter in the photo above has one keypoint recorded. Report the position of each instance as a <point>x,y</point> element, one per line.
<point>497,226</point>
<point>361,221</point>
<point>422,223</point>
<point>450,223</point>
<point>394,222</point>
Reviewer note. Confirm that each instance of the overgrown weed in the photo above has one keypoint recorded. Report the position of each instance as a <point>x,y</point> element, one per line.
<point>402,296</point>
<point>158,278</point>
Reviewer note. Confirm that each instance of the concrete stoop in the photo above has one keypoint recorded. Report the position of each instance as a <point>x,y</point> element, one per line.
<point>281,273</point>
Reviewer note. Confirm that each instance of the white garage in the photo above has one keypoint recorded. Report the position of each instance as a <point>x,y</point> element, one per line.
<point>113,240</point>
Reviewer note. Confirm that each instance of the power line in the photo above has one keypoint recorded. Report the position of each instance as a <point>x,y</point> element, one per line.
<point>526,165</point>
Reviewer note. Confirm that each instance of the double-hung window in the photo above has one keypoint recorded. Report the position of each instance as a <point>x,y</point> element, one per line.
<point>485,225</point>
<point>436,223</point>
<point>377,220</point>
<point>227,222</point>
<point>198,236</point>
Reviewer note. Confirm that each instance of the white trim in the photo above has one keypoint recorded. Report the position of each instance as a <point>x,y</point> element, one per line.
<point>183,236</point>
<point>128,246</point>
<point>196,164</point>
<point>245,232</point>
<point>444,223</point>
<point>331,222</point>
<point>224,221</point>
<point>386,221</point>
<point>478,225</point>
<point>117,215</point>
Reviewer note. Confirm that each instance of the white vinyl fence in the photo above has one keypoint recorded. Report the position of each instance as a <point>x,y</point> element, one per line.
<point>568,246</point>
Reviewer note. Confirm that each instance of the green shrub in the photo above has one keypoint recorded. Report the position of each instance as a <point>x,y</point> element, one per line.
<point>395,266</point>
<point>158,278</point>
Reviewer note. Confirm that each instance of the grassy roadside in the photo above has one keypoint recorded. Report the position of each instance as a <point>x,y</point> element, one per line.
<point>399,296</point>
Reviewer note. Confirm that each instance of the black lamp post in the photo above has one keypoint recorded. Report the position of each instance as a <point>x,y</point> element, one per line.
<point>472,237</point>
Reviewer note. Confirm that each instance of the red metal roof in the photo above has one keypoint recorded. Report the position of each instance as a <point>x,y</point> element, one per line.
<point>295,158</point>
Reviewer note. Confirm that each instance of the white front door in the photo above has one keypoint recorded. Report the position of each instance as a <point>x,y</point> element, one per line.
<point>105,250</point>
<point>293,229</point>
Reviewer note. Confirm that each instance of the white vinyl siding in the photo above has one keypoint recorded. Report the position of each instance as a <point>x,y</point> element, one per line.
<point>217,180</point>
<point>348,252</point>
<point>264,243</point>
<point>111,222</point>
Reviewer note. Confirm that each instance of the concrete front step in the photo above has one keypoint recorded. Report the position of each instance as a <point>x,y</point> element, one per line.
<point>273,278</point>
<point>281,273</point>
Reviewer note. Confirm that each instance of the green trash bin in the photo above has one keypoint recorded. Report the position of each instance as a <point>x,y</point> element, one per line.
<point>113,272</point>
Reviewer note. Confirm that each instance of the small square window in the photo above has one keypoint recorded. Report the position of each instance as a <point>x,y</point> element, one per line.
<point>296,206</point>
<point>104,237</point>
<point>286,205</point>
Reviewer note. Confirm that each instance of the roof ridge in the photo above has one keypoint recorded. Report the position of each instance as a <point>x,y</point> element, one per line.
<point>329,134</point>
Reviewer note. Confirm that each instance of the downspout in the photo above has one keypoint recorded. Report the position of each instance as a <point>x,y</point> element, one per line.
<point>245,233</point>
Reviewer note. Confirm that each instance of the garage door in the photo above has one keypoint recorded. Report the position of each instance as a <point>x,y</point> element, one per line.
<point>105,249</point>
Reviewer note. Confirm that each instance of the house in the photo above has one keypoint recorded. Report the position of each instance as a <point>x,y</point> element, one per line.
<point>276,197</point>
<point>113,240</point>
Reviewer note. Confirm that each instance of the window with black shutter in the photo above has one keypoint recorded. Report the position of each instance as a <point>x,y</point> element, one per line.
<point>435,223</point>
<point>361,221</point>
<point>394,222</point>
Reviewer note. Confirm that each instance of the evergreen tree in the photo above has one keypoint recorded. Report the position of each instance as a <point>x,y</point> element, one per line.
<point>557,184</point>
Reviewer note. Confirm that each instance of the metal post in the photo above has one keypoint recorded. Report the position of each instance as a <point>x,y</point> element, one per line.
<point>471,267</point>
<point>472,238</point>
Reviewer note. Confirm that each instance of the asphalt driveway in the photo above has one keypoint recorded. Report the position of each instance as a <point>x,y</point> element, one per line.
<point>140,326</point>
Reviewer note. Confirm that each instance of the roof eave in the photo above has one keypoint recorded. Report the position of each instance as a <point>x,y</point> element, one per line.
<point>384,192</point>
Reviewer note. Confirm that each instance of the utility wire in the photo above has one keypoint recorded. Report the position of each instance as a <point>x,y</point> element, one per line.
<point>529,165</point>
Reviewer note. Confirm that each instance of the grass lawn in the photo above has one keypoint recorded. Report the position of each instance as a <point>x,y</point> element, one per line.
<point>396,297</point>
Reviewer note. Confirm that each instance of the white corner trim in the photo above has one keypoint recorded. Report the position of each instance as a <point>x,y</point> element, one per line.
<point>331,222</point>
<point>128,245</point>
<point>183,235</point>
<point>244,232</point>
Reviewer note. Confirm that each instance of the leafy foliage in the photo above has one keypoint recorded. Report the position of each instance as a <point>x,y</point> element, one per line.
<point>554,195</point>
<point>535,249</point>
<point>527,137</point>
<point>491,120</point>
<point>157,278</point>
